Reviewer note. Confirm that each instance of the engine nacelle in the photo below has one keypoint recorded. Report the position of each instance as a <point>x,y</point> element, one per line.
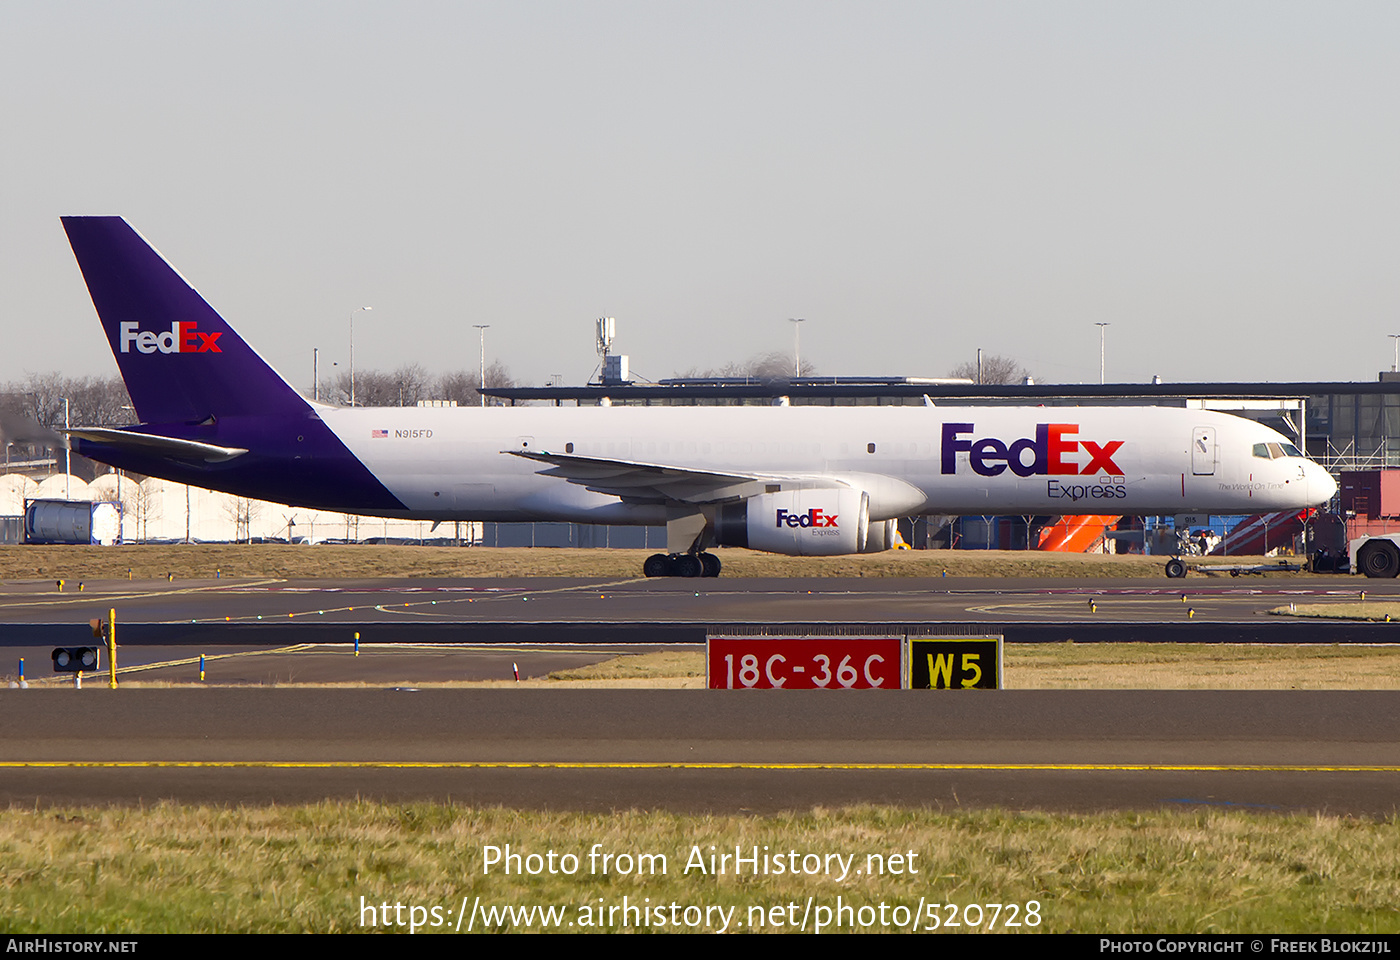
<point>806,523</point>
<point>881,536</point>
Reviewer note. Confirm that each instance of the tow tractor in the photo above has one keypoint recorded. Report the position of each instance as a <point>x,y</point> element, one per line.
<point>1376,556</point>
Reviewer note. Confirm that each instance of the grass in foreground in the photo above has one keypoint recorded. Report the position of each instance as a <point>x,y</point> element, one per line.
<point>305,869</point>
<point>1192,666</point>
<point>1358,610</point>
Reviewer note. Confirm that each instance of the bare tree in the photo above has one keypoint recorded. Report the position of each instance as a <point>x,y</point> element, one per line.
<point>497,376</point>
<point>776,365</point>
<point>243,511</point>
<point>147,509</point>
<point>410,383</point>
<point>459,386</point>
<point>92,402</point>
<point>377,388</point>
<point>996,371</point>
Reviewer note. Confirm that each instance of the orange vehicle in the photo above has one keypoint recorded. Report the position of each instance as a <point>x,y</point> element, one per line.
<point>1076,534</point>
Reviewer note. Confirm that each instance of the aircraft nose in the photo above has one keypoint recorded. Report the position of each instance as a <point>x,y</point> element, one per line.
<point>1321,484</point>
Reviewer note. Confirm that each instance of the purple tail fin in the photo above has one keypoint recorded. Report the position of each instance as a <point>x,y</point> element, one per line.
<point>181,361</point>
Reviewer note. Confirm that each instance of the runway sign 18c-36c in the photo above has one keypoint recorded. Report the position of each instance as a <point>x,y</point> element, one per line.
<point>805,663</point>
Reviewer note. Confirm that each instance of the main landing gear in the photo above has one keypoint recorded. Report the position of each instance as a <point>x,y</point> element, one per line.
<point>681,565</point>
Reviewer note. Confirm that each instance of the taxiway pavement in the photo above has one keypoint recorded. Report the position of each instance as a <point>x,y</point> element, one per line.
<point>275,612</point>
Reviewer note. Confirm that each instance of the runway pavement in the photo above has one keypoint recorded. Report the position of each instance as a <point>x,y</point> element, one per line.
<point>708,751</point>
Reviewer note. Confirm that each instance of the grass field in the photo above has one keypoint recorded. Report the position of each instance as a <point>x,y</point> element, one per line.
<point>1383,610</point>
<point>198,561</point>
<point>315,869</point>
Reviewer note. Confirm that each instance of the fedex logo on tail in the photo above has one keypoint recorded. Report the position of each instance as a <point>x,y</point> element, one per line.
<point>1041,455</point>
<point>182,337</point>
<point>812,518</point>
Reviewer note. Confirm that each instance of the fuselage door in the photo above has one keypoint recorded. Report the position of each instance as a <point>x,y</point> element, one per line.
<point>1203,451</point>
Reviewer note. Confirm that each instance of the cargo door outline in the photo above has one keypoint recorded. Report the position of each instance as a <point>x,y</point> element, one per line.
<point>1203,452</point>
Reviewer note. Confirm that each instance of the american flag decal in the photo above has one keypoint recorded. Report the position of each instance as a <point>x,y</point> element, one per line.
<point>376,434</point>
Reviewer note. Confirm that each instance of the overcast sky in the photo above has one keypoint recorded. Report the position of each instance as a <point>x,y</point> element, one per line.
<point>1219,181</point>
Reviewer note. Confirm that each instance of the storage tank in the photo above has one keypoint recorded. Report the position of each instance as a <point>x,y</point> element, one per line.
<point>72,521</point>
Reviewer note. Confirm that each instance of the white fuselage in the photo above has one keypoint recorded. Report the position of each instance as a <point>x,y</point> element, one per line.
<point>455,463</point>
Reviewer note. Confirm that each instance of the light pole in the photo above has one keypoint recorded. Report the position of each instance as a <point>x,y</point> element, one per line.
<point>352,351</point>
<point>67,456</point>
<point>1100,326</point>
<point>796,345</point>
<point>481,375</point>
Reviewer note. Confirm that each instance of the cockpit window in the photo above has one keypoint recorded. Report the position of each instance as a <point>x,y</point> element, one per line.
<point>1272,451</point>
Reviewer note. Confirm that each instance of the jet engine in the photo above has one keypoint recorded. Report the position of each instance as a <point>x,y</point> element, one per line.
<point>806,523</point>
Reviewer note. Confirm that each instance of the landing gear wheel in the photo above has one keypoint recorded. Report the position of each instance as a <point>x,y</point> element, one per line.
<point>1176,568</point>
<point>1379,558</point>
<point>686,565</point>
<point>709,563</point>
<point>657,565</point>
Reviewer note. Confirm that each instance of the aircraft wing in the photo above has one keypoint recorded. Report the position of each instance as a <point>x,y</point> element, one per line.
<point>656,482</point>
<point>160,446</point>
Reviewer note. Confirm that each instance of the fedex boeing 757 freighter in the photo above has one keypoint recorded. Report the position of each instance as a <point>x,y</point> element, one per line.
<point>792,480</point>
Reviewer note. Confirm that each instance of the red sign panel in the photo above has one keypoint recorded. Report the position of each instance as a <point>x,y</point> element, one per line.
<point>805,663</point>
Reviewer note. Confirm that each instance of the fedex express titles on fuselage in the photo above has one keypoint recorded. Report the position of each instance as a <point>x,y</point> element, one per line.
<point>1048,450</point>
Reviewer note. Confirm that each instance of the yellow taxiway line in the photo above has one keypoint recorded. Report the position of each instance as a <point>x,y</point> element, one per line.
<point>696,765</point>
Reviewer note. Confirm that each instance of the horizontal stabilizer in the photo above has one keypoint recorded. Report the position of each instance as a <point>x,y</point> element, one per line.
<point>161,446</point>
